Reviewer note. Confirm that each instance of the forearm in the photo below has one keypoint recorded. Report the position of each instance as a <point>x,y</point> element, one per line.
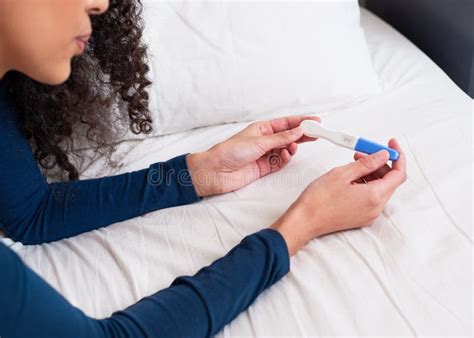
<point>61,210</point>
<point>197,306</point>
<point>200,306</point>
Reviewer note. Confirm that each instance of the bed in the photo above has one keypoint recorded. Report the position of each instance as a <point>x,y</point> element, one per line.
<point>409,274</point>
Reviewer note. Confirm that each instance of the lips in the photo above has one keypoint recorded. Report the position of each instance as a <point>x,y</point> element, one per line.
<point>82,42</point>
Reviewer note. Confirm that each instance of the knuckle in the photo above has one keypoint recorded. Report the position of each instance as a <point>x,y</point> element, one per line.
<point>255,126</point>
<point>218,148</point>
<point>262,127</point>
<point>368,162</point>
<point>335,171</point>
<point>375,198</point>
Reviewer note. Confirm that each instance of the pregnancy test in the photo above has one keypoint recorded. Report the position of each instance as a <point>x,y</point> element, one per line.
<point>313,128</point>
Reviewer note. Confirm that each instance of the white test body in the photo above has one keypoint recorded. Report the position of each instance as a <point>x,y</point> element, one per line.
<point>313,128</point>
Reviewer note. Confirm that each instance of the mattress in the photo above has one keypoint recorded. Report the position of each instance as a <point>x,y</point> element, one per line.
<point>408,274</point>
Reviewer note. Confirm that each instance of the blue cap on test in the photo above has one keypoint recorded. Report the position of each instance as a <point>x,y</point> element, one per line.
<point>366,146</point>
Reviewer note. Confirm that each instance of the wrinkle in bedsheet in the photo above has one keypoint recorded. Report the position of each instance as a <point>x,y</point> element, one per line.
<point>384,286</point>
<point>408,274</point>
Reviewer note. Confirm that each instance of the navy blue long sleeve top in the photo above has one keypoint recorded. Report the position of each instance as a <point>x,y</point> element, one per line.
<point>33,211</point>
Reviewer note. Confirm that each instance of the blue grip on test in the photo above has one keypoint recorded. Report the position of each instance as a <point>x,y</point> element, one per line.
<point>366,146</point>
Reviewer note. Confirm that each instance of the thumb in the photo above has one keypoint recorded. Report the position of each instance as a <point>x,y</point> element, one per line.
<point>367,165</point>
<point>281,139</point>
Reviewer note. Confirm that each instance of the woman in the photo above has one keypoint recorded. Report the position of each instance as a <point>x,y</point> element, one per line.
<point>42,97</point>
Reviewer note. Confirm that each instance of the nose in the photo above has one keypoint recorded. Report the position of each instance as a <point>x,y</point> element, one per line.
<point>96,7</point>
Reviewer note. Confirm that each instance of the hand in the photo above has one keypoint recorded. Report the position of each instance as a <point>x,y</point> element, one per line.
<point>256,151</point>
<point>339,201</point>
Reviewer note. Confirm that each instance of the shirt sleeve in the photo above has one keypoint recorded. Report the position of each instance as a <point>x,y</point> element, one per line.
<point>33,211</point>
<point>193,306</point>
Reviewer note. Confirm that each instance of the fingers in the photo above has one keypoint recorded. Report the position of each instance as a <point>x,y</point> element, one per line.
<point>298,120</point>
<point>399,164</point>
<point>397,175</point>
<point>279,140</point>
<point>270,127</point>
<point>366,165</point>
<point>290,122</point>
<point>282,157</point>
<point>273,160</point>
<point>306,139</point>
<point>379,173</point>
<point>278,158</point>
<point>285,155</point>
<point>292,148</point>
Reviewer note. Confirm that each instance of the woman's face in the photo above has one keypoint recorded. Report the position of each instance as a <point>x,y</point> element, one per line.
<point>40,37</point>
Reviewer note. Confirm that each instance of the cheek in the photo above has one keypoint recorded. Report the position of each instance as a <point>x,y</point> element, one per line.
<point>46,57</point>
<point>42,42</point>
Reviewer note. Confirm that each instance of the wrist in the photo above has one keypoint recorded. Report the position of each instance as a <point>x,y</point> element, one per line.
<point>200,172</point>
<point>294,228</point>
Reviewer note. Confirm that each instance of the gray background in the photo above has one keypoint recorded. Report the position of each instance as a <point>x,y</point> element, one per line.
<point>443,29</point>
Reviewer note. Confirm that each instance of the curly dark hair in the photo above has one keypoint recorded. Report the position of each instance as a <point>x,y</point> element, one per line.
<point>109,77</point>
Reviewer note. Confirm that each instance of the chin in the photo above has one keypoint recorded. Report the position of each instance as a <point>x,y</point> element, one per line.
<point>54,75</point>
<point>59,77</point>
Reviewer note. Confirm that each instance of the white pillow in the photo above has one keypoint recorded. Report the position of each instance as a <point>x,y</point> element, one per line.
<point>225,61</point>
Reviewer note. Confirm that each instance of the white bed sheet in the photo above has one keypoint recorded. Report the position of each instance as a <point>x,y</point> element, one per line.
<point>408,274</point>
